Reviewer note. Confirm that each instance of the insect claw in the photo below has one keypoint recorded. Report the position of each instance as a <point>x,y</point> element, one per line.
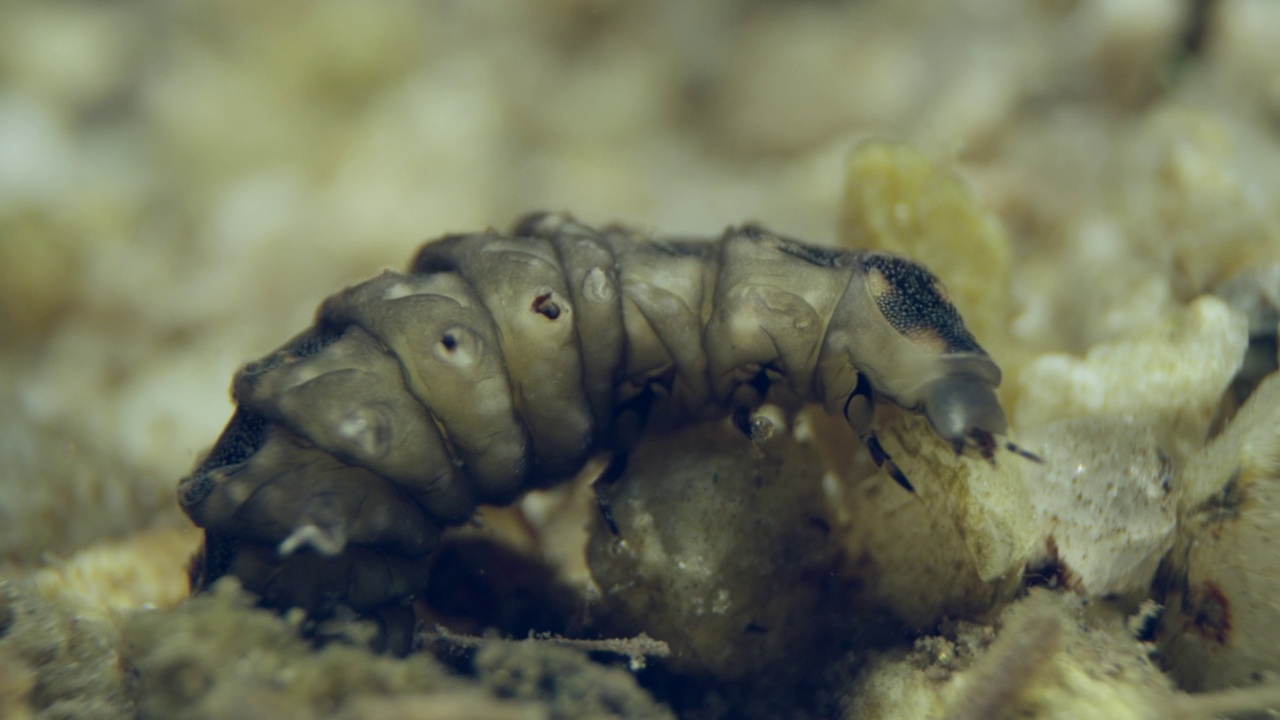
<point>898,477</point>
<point>884,462</point>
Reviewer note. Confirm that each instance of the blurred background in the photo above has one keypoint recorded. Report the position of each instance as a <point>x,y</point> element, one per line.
<point>182,181</point>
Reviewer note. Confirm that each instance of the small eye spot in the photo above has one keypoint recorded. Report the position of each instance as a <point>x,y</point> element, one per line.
<point>546,307</point>
<point>459,347</point>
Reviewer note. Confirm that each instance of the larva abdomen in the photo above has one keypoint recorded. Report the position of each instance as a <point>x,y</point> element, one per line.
<point>500,363</point>
<point>520,283</point>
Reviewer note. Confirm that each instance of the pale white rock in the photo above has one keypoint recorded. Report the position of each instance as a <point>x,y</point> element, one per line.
<point>1104,499</point>
<point>1171,377</point>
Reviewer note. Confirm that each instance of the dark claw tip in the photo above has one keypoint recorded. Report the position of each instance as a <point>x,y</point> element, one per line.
<point>884,462</point>
<point>899,478</point>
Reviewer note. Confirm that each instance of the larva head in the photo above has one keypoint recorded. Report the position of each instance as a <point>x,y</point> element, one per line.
<point>937,365</point>
<point>915,304</point>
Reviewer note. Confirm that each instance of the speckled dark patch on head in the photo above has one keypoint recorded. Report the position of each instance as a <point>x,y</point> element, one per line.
<point>911,299</point>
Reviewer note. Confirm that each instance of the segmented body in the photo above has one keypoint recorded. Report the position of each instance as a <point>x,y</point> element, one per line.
<point>501,363</point>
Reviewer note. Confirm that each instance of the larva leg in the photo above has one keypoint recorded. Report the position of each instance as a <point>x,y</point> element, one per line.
<point>859,412</point>
<point>632,414</point>
<point>750,425</point>
<point>611,474</point>
<point>745,399</point>
<point>756,427</point>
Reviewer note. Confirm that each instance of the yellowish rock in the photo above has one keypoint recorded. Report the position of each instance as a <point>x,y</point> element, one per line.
<point>144,571</point>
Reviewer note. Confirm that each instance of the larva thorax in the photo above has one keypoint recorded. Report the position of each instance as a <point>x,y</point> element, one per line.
<point>501,363</point>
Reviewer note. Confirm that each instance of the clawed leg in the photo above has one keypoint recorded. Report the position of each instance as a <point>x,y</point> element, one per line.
<point>860,414</point>
<point>748,397</point>
<point>610,475</point>
<point>885,462</point>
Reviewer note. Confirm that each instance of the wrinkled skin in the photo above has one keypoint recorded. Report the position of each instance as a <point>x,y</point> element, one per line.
<point>502,363</point>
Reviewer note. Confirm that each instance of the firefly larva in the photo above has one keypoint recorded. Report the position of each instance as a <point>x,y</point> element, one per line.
<point>501,363</point>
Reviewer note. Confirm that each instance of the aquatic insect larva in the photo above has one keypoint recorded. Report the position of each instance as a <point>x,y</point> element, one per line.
<point>501,363</point>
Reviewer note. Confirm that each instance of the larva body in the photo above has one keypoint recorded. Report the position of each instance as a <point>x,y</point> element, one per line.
<point>501,363</point>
